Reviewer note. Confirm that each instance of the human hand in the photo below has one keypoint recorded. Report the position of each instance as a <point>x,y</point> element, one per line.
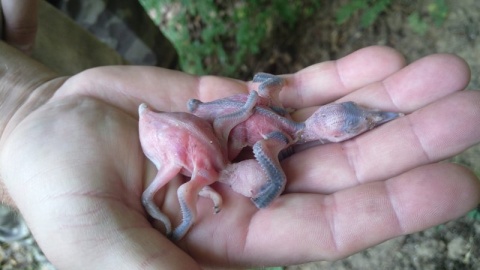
<point>20,23</point>
<point>74,168</point>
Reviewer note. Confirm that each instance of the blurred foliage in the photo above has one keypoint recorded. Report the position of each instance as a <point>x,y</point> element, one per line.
<point>215,36</point>
<point>370,9</point>
<point>437,11</point>
<point>418,25</point>
<point>475,213</point>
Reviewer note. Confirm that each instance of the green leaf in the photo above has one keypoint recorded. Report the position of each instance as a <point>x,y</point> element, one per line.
<point>345,12</point>
<point>417,24</point>
<point>372,13</point>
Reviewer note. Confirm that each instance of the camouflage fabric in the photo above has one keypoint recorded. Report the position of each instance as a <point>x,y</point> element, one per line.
<point>66,48</point>
<point>124,26</point>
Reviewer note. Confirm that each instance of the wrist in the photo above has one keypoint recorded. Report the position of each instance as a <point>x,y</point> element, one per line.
<point>22,87</point>
<point>25,85</point>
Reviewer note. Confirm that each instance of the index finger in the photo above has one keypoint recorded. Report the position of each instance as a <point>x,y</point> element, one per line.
<point>168,90</point>
<point>327,81</point>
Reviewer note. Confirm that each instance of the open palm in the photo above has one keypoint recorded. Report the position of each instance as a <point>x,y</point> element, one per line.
<point>74,167</point>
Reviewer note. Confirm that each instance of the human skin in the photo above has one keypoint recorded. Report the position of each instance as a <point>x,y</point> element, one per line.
<point>20,23</point>
<point>71,162</point>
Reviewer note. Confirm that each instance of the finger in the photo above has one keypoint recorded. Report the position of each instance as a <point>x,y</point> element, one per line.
<point>416,85</point>
<point>433,133</point>
<point>327,81</point>
<point>314,227</point>
<point>163,89</point>
<point>451,74</point>
<point>20,23</point>
<point>168,90</point>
